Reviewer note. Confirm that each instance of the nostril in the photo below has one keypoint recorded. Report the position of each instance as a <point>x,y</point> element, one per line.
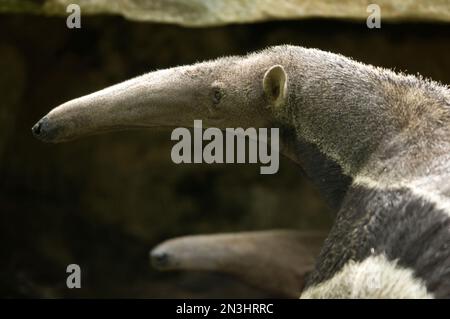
<point>36,129</point>
<point>160,259</point>
<point>46,130</point>
<point>43,131</point>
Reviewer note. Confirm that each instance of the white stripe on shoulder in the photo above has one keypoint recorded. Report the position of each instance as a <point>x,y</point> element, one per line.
<point>374,277</point>
<point>420,188</point>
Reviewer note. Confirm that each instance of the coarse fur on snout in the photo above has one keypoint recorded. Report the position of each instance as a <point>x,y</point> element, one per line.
<point>227,92</point>
<point>375,142</point>
<point>276,261</point>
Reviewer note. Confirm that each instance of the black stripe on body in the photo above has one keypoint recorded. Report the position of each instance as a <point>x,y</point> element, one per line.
<point>396,223</point>
<point>325,173</point>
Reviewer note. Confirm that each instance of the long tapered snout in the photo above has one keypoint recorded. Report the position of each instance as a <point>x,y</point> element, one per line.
<point>275,260</point>
<point>160,98</point>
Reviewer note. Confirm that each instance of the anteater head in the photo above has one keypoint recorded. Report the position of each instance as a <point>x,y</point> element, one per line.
<point>227,92</point>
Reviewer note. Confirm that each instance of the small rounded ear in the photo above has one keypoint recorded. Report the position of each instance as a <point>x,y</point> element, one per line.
<point>275,85</point>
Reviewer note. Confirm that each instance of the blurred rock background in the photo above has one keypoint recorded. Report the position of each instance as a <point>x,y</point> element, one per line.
<point>104,201</point>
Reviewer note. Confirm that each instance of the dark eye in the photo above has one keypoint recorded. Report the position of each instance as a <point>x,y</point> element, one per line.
<point>217,96</point>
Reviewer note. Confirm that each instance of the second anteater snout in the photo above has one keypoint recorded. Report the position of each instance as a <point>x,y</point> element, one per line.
<point>159,259</point>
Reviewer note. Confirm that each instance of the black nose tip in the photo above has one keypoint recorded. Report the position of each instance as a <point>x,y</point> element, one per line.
<point>159,259</point>
<point>36,129</point>
<point>43,131</point>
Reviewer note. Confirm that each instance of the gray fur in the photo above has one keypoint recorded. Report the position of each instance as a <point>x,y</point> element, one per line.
<point>346,123</point>
<point>275,261</point>
<point>406,229</point>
